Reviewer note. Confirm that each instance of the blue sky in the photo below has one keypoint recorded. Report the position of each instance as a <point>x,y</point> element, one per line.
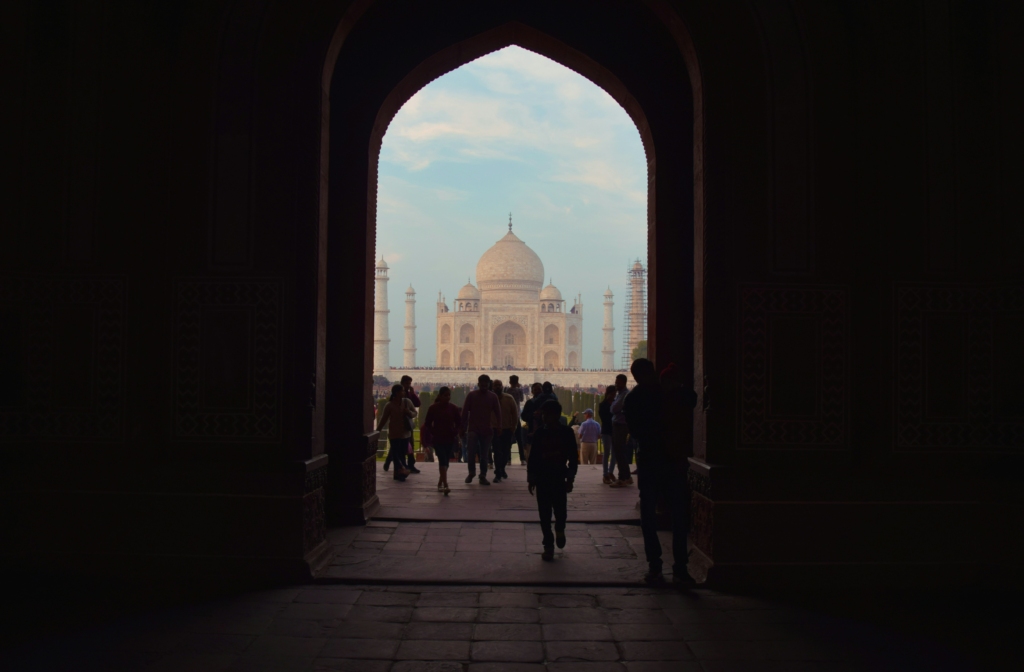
<point>511,131</point>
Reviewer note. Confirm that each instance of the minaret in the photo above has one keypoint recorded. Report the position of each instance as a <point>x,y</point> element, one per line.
<point>409,359</point>
<point>637,306</point>
<point>608,343</point>
<point>381,341</point>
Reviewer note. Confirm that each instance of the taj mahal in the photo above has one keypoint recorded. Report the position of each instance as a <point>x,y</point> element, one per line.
<point>508,322</point>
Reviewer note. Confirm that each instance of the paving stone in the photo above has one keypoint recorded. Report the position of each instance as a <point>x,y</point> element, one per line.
<point>437,547</point>
<point>426,666</point>
<point>388,599</point>
<point>393,546</point>
<point>312,611</point>
<point>504,599</point>
<point>433,650</point>
<point>382,523</point>
<point>440,631</point>
<point>368,545</point>
<point>509,615</point>
<point>380,649</point>
<point>577,632</point>
<point>639,632</point>
<point>369,630</point>
<point>655,651</point>
<point>730,650</point>
<point>371,536</point>
<point>446,614</point>
<point>444,533</point>
<point>586,667</point>
<point>507,631</point>
<point>361,612</point>
<point>573,616</point>
<point>629,601</point>
<point>508,651</point>
<point>249,663</point>
<point>637,616</point>
<point>442,599</point>
<point>665,666</point>
<point>284,645</point>
<point>350,665</point>
<point>323,595</point>
<point>294,627</point>
<point>683,616</point>
<point>506,667</point>
<point>580,651</point>
<point>568,601</point>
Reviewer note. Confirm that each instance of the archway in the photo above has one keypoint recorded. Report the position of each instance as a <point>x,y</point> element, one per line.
<point>434,42</point>
<point>550,360</point>
<point>574,335</point>
<point>573,360</point>
<point>508,345</point>
<point>467,359</point>
<point>446,359</point>
<point>467,334</point>
<point>551,334</point>
<point>446,334</point>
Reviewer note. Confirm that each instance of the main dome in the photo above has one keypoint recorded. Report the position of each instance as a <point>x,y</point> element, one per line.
<point>510,265</point>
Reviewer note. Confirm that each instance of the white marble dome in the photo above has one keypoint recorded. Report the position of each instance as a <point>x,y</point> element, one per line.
<point>468,292</point>
<point>550,293</point>
<point>510,264</point>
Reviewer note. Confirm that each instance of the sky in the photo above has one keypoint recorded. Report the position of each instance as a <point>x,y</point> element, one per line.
<point>515,132</point>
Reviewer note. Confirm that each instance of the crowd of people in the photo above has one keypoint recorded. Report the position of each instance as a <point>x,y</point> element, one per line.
<point>493,416</point>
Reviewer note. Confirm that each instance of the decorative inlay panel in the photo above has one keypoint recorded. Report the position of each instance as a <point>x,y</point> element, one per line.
<point>500,319</point>
<point>41,411</point>
<point>977,426</point>
<point>196,417</point>
<point>826,425</point>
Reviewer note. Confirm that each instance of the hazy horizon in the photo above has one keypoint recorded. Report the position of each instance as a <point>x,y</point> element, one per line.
<point>511,131</point>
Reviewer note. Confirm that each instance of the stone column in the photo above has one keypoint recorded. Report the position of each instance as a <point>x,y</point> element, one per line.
<point>409,352</point>
<point>381,341</point>
<point>608,342</point>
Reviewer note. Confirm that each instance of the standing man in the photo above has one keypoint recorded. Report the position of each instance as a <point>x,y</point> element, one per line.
<point>530,408</point>
<point>660,456</point>
<point>516,390</point>
<point>477,426</point>
<point>411,395</point>
<point>503,438</point>
<point>620,433</point>
<point>590,432</point>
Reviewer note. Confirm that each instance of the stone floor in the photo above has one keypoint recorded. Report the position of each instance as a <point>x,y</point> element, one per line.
<point>498,553</point>
<point>418,499</point>
<point>483,629</point>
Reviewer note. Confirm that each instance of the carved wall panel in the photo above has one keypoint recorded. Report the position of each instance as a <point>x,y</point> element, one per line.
<point>794,354</point>
<point>63,359</point>
<point>227,359</point>
<point>958,358</point>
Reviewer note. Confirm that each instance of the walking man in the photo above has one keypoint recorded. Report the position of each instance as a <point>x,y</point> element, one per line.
<point>605,413</point>
<point>477,426</point>
<point>503,437</point>
<point>590,432</point>
<point>551,471</point>
<point>660,459</point>
<point>620,433</point>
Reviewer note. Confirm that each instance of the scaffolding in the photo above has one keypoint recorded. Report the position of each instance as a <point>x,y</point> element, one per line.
<point>636,311</point>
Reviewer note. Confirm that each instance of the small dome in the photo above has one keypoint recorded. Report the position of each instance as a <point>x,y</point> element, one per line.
<point>638,266</point>
<point>382,263</point>
<point>550,293</point>
<point>410,290</point>
<point>608,293</point>
<point>468,292</point>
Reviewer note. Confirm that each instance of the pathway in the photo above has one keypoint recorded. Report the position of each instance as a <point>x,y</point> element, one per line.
<point>591,501</point>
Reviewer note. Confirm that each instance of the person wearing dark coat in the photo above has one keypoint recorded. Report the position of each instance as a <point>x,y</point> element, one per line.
<point>550,471</point>
<point>655,411</point>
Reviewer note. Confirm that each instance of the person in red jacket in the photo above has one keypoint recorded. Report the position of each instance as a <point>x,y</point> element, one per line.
<point>442,424</point>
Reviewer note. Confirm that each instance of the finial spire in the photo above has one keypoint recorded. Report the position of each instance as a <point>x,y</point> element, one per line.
<point>510,222</point>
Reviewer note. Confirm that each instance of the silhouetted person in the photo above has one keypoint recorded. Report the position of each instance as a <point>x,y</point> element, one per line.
<point>516,390</point>
<point>443,422</point>
<point>620,433</point>
<point>529,409</point>
<point>479,411</point>
<point>503,435</point>
<point>414,398</point>
<point>551,470</point>
<point>604,411</point>
<point>590,432</point>
<point>398,414</point>
<point>660,470</point>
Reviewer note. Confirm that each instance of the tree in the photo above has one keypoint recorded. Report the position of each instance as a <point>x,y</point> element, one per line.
<point>640,351</point>
<point>381,380</point>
